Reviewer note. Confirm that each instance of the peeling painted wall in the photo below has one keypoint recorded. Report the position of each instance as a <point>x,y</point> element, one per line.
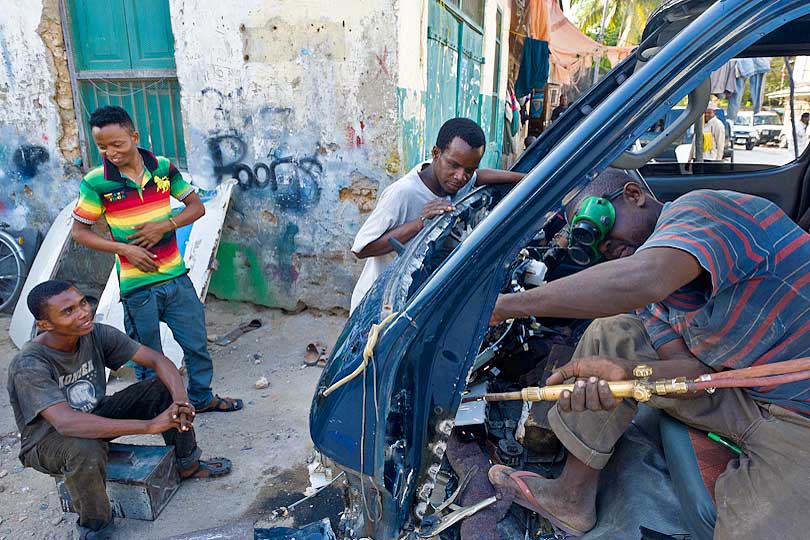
<point>35,180</point>
<point>296,99</point>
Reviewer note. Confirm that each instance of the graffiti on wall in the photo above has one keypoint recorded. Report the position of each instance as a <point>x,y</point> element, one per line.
<point>295,200</point>
<point>293,181</point>
<point>33,185</point>
<point>28,158</point>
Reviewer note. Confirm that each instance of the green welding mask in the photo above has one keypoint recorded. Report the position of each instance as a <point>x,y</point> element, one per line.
<point>593,220</point>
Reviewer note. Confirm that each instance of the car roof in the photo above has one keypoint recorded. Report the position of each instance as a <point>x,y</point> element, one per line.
<point>674,15</point>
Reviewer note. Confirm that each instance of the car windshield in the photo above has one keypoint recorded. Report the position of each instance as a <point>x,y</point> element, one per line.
<point>743,120</point>
<point>766,120</point>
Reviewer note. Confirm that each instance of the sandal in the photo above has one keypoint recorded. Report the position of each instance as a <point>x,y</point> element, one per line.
<point>317,354</point>
<point>524,497</point>
<point>211,468</point>
<point>219,404</point>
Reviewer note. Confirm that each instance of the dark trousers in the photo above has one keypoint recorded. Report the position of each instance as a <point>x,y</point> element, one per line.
<point>176,303</point>
<point>83,462</point>
<point>763,493</point>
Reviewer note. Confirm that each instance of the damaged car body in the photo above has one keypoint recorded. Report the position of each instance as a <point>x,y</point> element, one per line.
<point>388,402</point>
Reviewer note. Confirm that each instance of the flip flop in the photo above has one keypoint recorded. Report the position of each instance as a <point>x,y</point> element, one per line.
<point>526,499</point>
<point>216,405</point>
<point>210,468</point>
<point>316,354</point>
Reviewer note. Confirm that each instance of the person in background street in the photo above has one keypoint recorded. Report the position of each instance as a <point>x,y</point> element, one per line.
<point>57,389</point>
<point>423,193</point>
<point>714,136</point>
<point>133,188</point>
<point>802,134</point>
<point>559,109</point>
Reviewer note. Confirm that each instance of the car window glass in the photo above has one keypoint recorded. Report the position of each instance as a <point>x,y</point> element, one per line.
<point>755,92</point>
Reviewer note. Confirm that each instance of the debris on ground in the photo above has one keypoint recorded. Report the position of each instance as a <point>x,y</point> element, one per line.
<point>261,383</point>
<point>319,475</point>
<point>234,334</point>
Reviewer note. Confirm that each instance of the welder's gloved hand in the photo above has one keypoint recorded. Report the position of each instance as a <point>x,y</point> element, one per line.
<point>591,391</point>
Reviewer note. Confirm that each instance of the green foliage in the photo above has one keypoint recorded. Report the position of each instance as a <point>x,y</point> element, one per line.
<point>624,23</point>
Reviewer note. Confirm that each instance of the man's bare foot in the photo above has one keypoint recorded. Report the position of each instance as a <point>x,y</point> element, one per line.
<point>574,507</point>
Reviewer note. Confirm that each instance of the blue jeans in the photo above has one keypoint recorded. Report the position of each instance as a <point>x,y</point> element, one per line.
<point>174,302</point>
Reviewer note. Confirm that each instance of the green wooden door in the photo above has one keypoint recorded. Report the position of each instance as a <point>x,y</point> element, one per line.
<point>442,71</point>
<point>469,87</point>
<point>151,43</point>
<point>100,35</point>
<point>453,69</point>
<point>125,57</point>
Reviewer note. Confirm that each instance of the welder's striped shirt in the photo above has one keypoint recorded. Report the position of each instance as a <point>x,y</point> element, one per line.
<point>754,305</point>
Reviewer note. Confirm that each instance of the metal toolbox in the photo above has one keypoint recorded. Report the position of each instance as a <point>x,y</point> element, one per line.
<point>140,481</point>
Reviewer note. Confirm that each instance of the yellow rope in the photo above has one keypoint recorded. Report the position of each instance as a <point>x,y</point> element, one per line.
<point>368,357</point>
<point>368,354</point>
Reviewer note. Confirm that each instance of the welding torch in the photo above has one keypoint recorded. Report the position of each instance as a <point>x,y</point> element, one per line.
<point>642,388</point>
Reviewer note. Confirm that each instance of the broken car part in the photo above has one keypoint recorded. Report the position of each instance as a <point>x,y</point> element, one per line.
<point>432,527</point>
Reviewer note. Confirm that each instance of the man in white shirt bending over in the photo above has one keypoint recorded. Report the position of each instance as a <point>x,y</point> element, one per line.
<point>423,193</point>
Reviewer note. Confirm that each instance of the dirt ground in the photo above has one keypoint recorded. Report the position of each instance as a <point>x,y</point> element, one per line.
<point>268,441</point>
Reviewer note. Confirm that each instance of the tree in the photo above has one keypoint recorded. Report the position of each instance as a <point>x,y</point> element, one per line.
<point>625,19</point>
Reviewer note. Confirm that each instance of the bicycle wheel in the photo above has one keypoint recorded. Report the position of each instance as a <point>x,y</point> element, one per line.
<point>12,268</point>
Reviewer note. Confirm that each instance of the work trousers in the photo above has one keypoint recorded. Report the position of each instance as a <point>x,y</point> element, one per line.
<point>83,462</point>
<point>176,303</point>
<point>764,493</point>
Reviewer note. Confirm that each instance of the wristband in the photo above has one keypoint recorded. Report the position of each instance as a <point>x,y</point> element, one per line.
<point>173,222</point>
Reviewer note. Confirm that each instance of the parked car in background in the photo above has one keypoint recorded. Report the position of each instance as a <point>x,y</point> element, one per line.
<point>743,131</point>
<point>766,124</point>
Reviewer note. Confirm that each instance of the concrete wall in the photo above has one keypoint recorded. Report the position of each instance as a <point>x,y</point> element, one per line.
<point>36,180</point>
<point>298,97</point>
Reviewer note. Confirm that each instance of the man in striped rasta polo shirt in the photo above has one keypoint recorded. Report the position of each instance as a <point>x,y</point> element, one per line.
<point>133,189</point>
<point>718,280</point>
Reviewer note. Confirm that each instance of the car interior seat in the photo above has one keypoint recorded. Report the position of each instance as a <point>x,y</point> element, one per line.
<point>695,462</point>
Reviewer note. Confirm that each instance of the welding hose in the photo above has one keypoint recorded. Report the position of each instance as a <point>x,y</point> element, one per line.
<point>748,382</point>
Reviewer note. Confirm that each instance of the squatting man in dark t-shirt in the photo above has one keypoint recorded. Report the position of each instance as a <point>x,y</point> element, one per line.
<point>57,389</point>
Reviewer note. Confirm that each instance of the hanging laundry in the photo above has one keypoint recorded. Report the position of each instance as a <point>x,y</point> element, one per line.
<point>571,50</point>
<point>724,80</point>
<point>757,82</point>
<point>533,67</point>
